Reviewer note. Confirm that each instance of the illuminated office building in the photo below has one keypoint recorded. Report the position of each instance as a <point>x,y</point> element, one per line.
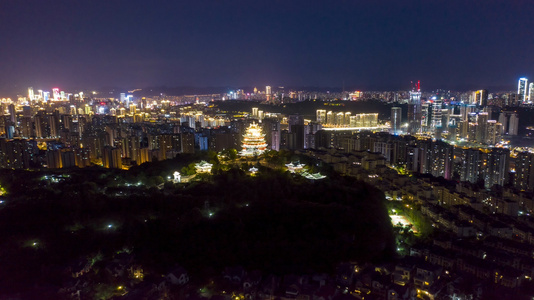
<point>55,94</point>
<point>396,120</point>
<point>414,109</point>
<point>522,89</point>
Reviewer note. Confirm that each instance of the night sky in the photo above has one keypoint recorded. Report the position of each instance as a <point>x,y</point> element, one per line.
<point>366,44</point>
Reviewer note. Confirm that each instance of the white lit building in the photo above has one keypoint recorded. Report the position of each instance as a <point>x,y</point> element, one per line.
<point>522,89</point>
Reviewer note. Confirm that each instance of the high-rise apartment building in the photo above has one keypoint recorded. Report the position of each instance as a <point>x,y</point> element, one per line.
<point>482,127</point>
<point>320,116</point>
<point>524,171</point>
<point>522,89</point>
<point>470,166</point>
<point>480,98</point>
<point>513,126</point>
<point>112,157</point>
<point>497,166</point>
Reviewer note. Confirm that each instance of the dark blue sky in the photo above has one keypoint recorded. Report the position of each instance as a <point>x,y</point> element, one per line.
<point>369,44</point>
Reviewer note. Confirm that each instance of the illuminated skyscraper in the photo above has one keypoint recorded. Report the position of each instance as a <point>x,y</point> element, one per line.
<point>480,98</point>
<point>321,116</point>
<point>31,95</point>
<point>522,89</point>
<point>55,94</point>
<point>396,119</point>
<point>482,127</point>
<point>339,118</point>
<point>426,116</point>
<point>330,118</point>
<point>436,113</point>
<point>414,109</point>
<point>531,92</point>
<point>268,90</point>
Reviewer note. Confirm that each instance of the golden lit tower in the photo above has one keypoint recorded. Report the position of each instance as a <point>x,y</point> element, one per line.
<point>253,141</point>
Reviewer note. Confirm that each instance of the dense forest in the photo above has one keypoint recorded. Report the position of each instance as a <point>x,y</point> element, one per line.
<point>274,221</point>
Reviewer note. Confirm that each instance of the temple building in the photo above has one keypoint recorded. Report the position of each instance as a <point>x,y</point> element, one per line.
<point>295,167</point>
<point>203,167</point>
<point>253,141</point>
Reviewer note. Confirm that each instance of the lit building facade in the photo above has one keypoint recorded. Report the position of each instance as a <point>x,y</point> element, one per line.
<point>253,141</point>
<point>522,89</point>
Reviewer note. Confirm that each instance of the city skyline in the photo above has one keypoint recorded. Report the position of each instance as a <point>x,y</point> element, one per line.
<point>369,46</point>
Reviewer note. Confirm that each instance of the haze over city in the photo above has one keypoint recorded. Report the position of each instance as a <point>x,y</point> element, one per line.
<point>363,45</point>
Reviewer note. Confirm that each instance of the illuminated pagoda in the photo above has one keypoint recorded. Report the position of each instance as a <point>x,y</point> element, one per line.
<point>203,167</point>
<point>253,141</point>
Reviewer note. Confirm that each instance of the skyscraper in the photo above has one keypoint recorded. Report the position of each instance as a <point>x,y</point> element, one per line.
<point>503,119</point>
<point>426,116</point>
<point>497,167</point>
<point>436,113</point>
<point>531,92</point>
<point>330,118</point>
<point>414,109</point>
<point>522,89</point>
<point>470,169</point>
<point>12,113</point>
<point>111,157</point>
<point>482,127</point>
<point>524,171</point>
<point>55,93</point>
<point>513,126</point>
<point>321,116</point>
<point>31,95</point>
<point>396,119</point>
<point>480,97</point>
